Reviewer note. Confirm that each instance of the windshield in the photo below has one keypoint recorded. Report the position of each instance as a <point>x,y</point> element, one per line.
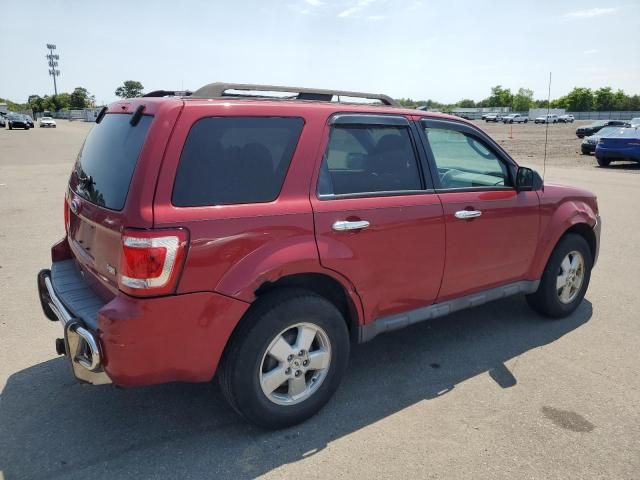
<point>106,161</point>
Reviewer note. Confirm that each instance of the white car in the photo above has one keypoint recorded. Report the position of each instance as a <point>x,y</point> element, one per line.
<point>635,122</point>
<point>47,122</point>
<point>566,118</point>
<point>549,118</point>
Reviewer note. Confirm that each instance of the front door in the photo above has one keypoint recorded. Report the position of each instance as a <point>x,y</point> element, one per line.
<point>491,228</point>
<point>378,221</point>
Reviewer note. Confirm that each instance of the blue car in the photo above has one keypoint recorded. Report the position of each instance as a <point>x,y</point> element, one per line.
<point>623,145</point>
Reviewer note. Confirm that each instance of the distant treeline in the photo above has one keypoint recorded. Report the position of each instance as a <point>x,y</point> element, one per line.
<point>580,99</point>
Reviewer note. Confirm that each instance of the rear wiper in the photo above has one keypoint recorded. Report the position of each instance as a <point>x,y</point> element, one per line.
<point>86,182</point>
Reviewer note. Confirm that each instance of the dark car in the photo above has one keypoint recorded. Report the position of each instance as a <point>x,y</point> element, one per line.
<point>255,240</point>
<point>17,121</point>
<point>589,143</point>
<point>587,130</point>
<point>29,120</point>
<point>622,145</point>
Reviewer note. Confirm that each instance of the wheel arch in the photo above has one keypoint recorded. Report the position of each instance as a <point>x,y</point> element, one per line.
<point>344,298</point>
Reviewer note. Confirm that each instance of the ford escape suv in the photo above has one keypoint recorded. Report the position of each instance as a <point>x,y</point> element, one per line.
<point>225,233</point>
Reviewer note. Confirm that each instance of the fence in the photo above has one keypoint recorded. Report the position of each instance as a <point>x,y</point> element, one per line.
<point>605,115</point>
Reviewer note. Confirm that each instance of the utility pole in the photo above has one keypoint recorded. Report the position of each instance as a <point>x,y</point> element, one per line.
<point>52,60</point>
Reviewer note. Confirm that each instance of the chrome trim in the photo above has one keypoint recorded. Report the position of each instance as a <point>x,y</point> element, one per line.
<point>467,214</point>
<point>82,347</point>
<point>404,319</point>
<point>345,225</point>
<point>93,361</point>
<point>56,305</point>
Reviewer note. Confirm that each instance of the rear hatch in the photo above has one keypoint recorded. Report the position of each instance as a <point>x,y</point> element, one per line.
<point>105,196</point>
<point>623,139</point>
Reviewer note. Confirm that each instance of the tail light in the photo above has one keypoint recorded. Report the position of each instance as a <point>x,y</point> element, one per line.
<point>151,261</point>
<point>66,214</point>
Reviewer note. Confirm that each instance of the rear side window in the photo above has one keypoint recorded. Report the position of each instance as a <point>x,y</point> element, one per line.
<point>368,160</point>
<point>231,160</point>
<point>107,159</point>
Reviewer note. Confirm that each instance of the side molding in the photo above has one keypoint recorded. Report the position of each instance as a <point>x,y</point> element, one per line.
<point>401,320</point>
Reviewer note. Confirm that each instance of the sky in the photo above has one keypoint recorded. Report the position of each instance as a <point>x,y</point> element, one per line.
<point>420,49</point>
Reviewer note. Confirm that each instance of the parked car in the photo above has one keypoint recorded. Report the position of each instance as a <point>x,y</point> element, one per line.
<point>589,143</point>
<point>47,122</point>
<point>549,118</point>
<point>15,120</point>
<point>515,118</point>
<point>621,145</point>
<point>596,126</point>
<point>492,117</point>
<point>255,240</point>
<point>566,118</point>
<point>635,122</point>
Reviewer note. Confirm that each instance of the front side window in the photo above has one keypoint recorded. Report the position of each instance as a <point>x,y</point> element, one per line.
<point>369,159</point>
<point>232,160</point>
<point>463,161</point>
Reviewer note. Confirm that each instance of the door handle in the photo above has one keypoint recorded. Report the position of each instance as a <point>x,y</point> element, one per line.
<point>344,225</point>
<point>467,214</point>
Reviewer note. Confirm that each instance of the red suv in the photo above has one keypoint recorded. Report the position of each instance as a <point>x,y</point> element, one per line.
<point>256,238</point>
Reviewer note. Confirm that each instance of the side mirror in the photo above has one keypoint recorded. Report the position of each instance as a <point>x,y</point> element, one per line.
<point>527,180</point>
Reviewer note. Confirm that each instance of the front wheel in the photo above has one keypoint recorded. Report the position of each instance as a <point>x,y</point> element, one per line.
<point>565,279</point>
<point>603,162</point>
<point>286,359</point>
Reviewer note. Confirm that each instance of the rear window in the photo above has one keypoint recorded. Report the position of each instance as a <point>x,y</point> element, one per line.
<point>107,159</point>
<point>231,160</point>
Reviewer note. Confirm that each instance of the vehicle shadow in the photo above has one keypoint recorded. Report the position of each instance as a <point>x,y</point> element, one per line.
<point>51,427</point>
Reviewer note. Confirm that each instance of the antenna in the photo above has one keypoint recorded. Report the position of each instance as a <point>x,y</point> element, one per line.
<point>546,130</point>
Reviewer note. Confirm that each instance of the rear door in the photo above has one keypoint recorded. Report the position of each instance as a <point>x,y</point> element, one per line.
<point>377,219</point>
<point>112,184</point>
<point>491,229</point>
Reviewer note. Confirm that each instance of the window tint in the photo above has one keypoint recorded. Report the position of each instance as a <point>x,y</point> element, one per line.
<point>464,161</point>
<point>368,160</point>
<point>107,159</point>
<point>228,160</point>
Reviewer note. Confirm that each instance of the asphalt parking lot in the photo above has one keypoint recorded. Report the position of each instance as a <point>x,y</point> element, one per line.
<point>490,393</point>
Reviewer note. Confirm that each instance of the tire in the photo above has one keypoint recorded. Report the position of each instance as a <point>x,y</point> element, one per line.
<point>548,299</point>
<point>10,127</point>
<point>526,121</point>
<point>247,360</point>
<point>603,162</point>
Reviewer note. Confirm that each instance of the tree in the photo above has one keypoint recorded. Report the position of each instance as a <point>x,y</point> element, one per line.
<point>466,103</point>
<point>500,97</point>
<point>522,100</point>
<point>579,99</point>
<point>130,89</point>
<point>55,103</point>
<point>604,99</point>
<point>79,98</point>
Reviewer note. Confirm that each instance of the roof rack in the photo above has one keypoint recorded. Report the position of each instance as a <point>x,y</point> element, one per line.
<point>168,93</point>
<point>219,89</point>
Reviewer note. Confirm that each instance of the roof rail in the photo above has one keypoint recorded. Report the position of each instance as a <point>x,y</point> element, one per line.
<point>219,89</point>
<point>168,93</point>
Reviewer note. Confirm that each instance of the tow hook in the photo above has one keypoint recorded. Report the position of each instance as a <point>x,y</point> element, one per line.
<point>60,347</point>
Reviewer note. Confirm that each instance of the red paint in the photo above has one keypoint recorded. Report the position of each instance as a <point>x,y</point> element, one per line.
<point>414,253</point>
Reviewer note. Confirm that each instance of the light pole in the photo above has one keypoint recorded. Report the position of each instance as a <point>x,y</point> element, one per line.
<point>52,60</point>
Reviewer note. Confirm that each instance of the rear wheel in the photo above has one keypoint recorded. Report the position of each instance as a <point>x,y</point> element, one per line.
<point>565,279</point>
<point>286,359</point>
<point>603,162</point>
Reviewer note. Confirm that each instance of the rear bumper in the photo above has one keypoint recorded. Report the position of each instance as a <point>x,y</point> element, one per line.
<point>138,341</point>
<point>630,154</point>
